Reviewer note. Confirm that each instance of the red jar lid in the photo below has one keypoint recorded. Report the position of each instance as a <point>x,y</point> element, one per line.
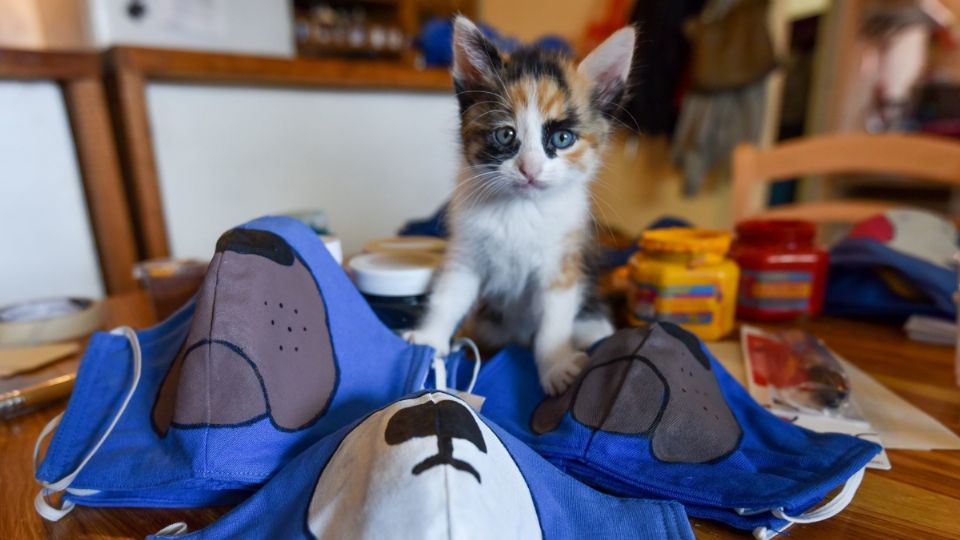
<point>776,230</point>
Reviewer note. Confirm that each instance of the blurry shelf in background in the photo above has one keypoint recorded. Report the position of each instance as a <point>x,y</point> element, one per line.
<point>368,29</point>
<point>361,29</point>
<point>202,67</point>
<point>55,65</point>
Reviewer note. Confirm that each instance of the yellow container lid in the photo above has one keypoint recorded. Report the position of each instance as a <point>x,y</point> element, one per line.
<point>686,240</point>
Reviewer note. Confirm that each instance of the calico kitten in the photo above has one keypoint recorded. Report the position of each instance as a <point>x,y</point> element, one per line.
<point>533,127</point>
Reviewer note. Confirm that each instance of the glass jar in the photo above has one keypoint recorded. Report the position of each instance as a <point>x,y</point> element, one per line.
<point>783,273</point>
<point>683,276</point>
<point>396,285</point>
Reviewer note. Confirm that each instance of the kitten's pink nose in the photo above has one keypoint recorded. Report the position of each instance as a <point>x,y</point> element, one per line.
<point>530,170</point>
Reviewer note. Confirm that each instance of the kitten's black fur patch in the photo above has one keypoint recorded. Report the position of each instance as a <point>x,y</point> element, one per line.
<point>536,63</point>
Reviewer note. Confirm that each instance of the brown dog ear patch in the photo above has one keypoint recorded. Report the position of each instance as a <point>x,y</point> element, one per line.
<point>259,343</point>
<point>549,413</point>
<point>624,396</point>
<point>656,382</point>
<point>697,424</point>
<point>622,344</point>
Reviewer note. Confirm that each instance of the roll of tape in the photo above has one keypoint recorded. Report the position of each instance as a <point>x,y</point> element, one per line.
<point>49,320</point>
<point>406,244</point>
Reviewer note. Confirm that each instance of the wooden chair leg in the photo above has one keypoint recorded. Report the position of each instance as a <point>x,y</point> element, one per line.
<point>744,176</point>
<point>89,115</point>
<point>129,100</point>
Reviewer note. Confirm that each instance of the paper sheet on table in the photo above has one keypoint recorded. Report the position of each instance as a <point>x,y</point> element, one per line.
<point>901,425</point>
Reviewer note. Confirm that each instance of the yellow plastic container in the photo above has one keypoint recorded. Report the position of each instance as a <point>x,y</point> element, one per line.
<point>683,276</point>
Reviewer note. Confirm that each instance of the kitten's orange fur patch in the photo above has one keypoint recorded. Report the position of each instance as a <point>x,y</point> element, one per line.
<point>577,154</point>
<point>571,273</point>
<point>551,100</point>
<point>571,269</point>
<point>517,94</point>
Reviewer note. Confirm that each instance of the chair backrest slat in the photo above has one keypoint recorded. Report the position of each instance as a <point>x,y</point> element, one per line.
<point>923,157</point>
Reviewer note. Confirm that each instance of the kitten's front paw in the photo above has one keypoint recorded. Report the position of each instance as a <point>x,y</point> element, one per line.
<point>423,336</point>
<point>560,369</point>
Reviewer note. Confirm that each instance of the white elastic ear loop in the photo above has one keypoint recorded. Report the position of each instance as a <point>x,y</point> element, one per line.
<point>826,511</point>
<point>467,342</point>
<point>173,529</point>
<point>45,509</point>
<point>439,373</point>
<point>763,533</point>
<point>830,509</point>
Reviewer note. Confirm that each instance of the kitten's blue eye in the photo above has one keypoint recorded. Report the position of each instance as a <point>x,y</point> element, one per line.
<point>562,138</point>
<point>504,135</point>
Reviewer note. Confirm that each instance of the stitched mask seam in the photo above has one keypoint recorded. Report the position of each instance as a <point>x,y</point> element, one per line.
<point>213,315</point>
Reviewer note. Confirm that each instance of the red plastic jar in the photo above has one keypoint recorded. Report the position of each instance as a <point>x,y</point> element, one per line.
<point>782,273</point>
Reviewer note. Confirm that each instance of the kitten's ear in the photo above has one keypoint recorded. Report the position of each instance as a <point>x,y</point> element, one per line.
<point>608,67</point>
<point>475,59</point>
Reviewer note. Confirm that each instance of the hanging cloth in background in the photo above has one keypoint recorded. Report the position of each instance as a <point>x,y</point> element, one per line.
<point>732,55</point>
<point>897,35</point>
<point>662,56</point>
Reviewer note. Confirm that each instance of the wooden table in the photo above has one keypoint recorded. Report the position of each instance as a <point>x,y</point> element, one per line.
<point>920,497</point>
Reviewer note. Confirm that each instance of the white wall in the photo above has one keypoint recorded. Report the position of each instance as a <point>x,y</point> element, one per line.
<point>46,245</point>
<point>370,160</point>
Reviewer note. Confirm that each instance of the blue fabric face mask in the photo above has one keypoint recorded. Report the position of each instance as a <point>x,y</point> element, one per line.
<point>654,415</point>
<point>429,467</point>
<point>277,350</point>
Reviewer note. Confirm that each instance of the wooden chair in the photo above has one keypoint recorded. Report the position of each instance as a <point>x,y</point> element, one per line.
<point>911,156</point>
<point>80,77</point>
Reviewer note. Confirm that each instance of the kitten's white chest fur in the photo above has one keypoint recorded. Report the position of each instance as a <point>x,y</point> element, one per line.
<point>514,242</point>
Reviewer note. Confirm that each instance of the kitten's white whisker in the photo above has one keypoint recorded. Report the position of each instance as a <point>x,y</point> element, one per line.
<point>500,98</point>
<point>497,106</point>
<point>601,207</point>
<point>479,176</point>
<point>600,225</point>
<point>467,199</point>
<point>598,198</point>
<point>478,117</point>
<point>505,108</point>
<point>636,124</point>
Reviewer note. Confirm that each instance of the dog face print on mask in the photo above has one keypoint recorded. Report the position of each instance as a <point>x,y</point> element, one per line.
<point>428,467</point>
<point>653,414</point>
<point>276,351</point>
<point>657,383</point>
<point>259,345</point>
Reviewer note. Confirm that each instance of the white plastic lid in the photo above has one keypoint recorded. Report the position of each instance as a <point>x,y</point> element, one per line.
<point>394,274</point>
<point>422,244</point>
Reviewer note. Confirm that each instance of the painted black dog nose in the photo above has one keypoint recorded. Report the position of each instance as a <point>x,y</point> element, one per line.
<point>446,420</point>
<point>254,242</point>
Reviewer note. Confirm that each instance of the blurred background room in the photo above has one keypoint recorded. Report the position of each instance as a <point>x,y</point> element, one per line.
<point>789,164</point>
<point>141,129</point>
